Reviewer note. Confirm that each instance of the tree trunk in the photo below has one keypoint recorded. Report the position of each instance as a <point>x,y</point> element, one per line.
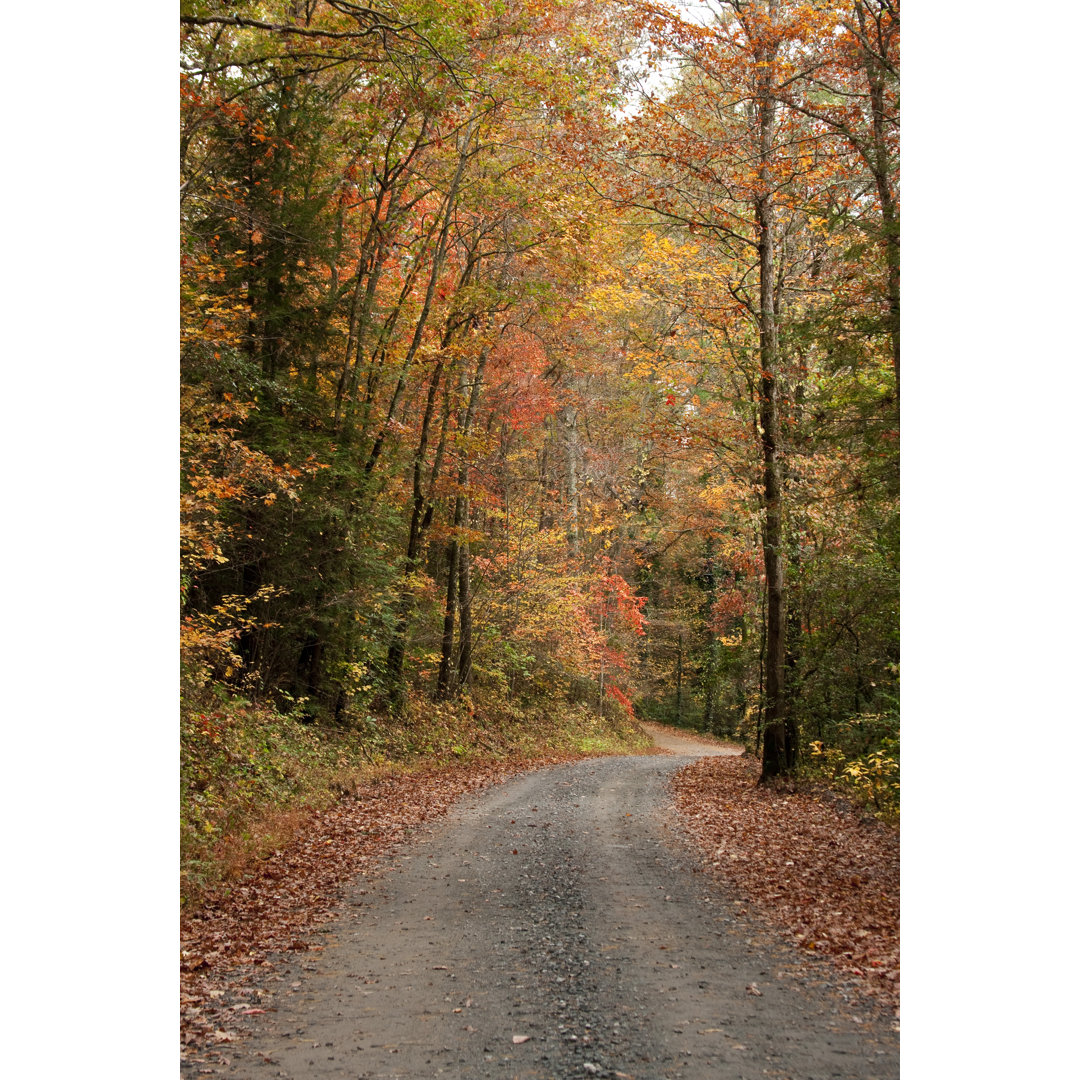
<point>395,657</point>
<point>793,650</point>
<point>711,643</point>
<point>881,168</point>
<point>573,461</point>
<point>678,683</point>
<point>465,612</point>
<point>437,260</point>
<point>453,561</point>
<point>774,756</point>
<point>457,552</point>
<point>601,661</point>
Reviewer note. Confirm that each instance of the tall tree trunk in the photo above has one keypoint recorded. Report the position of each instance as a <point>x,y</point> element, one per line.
<point>437,260</point>
<point>708,720</point>
<point>711,644</point>
<point>573,464</point>
<point>774,757</point>
<point>369,266</point>
<point>793,647</point>
<point>602,658</point>
<point>761,672</point>
<point>457,552</point>
<point>443,685</point>
<point>465,613</point>
<point>880,165</point>
<point>395,657</point>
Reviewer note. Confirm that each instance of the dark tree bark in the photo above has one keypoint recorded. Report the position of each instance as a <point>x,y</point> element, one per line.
<point>710,720</point>
<point>465,608</point>
<point>421,518</point>
<point>438,258</point>
<point>774,756</point>
<point>457,552</point>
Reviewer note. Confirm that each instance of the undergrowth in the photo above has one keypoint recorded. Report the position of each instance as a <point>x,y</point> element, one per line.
<point>861,762</point>
<point>253,774</point>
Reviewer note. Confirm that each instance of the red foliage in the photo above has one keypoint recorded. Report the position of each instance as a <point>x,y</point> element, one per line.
<point>621,698</point>
<point>612,595</point>
<point>726,608</point>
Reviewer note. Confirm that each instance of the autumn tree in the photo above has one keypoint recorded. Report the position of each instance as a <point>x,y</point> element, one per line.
<point>763,276</point>
<point>500,384</point>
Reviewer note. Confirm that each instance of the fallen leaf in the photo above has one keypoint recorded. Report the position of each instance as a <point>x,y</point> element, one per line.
<point>299,886</point>
<point>807,863</point>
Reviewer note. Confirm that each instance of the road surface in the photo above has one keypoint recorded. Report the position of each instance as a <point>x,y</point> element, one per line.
<point>558,926</point>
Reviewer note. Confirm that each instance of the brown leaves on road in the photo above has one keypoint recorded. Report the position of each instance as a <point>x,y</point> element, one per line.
<point>808,865</point>
<point>225,942</point>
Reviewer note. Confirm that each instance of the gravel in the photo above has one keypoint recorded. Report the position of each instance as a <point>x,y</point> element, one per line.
<point>557,926</point>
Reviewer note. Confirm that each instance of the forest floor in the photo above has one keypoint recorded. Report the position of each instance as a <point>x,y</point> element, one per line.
<point>825,875</point>
<point>557,924</point>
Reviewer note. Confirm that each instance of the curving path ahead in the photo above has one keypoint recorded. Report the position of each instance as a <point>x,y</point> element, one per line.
<point>558,927</point>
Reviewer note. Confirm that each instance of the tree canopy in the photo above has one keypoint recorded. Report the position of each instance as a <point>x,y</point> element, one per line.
<point>545,351</point>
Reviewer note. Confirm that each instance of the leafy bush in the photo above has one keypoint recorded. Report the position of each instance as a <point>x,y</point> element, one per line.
<point>871,779</point>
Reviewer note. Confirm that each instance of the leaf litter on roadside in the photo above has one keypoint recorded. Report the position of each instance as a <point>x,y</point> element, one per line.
<point>805,862</point>
<point>227,940</point>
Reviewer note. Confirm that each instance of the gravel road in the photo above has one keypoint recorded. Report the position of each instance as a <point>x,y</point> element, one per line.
<point>559,926</point>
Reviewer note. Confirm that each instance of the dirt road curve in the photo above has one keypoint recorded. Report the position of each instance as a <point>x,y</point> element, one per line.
<point>556,927</point>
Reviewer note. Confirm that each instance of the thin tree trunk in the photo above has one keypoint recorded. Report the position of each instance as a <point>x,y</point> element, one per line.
<point>602,673</point>
<point>791,661</point>
<point>880,166</point>
<point>453,564</point>
<point>709,719</point>
<point>761,673</point>
<point>395,659</point>
<point>437,260</point>
<point>371,251</point>
<point>457,554</point>
<point>465,612</point>
<point>678,684</point>
<point>573,458</point>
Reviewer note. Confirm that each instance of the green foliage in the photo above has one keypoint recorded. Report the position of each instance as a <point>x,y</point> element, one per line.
<point>865,765</point>
<point>240,763</point>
